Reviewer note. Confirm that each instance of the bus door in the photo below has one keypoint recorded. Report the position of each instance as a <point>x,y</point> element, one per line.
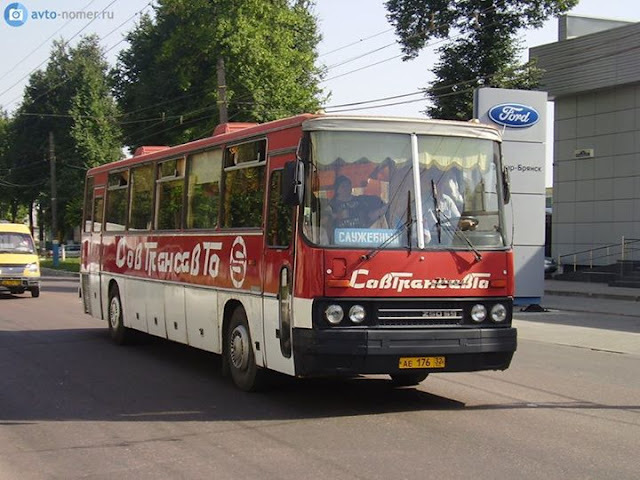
<point>278,275</point>
<point>91,249</point>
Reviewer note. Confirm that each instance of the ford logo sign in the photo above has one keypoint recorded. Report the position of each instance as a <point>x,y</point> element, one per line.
<point>514,115</point>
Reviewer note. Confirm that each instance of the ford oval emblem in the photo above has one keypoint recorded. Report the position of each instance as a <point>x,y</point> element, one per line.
<point>514,115</point>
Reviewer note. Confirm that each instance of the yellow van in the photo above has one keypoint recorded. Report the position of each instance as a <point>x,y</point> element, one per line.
<point>19,264</point>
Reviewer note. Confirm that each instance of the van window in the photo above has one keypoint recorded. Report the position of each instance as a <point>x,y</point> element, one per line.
<point>12,242</point>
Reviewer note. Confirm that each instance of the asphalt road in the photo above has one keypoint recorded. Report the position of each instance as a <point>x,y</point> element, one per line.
<point>73,405</point>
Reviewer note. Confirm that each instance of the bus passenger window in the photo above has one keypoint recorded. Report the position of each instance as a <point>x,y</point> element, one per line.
<point>279,229</point>
<point>116,214</point>
<point>169,194</point>
<point>98,205</point>
<point>244,185</point>
<point>87,210</point>
<point>141,212</point>
<point>203,189</point>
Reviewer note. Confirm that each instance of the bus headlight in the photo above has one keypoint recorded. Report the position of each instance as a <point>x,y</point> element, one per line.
<point>478,313</point>
<point>357,314</point>
<point>498,313</point>
<point>334,314</point>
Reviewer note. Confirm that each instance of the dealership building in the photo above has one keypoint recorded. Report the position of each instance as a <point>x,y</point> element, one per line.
<point>592,74</point>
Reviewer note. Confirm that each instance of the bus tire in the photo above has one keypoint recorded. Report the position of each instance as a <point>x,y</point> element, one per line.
<point>118,332</point>
<point>407,379</point>
<point>241,362</point>
<point>35,292</point>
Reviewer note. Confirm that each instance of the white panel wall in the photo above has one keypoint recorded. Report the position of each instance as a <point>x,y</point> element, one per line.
<point>524,154</point>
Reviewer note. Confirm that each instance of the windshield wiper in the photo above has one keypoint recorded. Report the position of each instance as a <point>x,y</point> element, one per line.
<point>436,209</point>
<point>462,235</point>
<point>399,229</point>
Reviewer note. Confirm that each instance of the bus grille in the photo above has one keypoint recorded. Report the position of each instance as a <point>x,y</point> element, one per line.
<point>419,317</point>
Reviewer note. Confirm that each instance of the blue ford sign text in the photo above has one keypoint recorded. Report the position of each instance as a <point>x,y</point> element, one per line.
<point>514,115</point>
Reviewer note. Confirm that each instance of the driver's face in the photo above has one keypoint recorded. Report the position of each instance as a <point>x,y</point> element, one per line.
<point>344,189</point>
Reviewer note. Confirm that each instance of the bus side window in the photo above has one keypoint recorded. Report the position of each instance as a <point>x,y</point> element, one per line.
<point>279,224</point>
<point>87,210</point>
<point>117,201</point>
<point>244,185</point>
<point>170,194</point>
<point>141,213</point>
<point>203,189</point>
<point>98,206</point>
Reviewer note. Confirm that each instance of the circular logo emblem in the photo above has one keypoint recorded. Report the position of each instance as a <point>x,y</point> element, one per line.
<point>16,14</point>
<point>514,115</point>
<point>238,262</point>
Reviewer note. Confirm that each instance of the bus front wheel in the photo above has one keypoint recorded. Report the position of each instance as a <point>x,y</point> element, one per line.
<point>119,333</point>
<point>408,379</point>
<point>240,359</point>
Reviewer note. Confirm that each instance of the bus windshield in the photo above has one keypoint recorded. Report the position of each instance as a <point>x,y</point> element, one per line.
<point>363,191</point>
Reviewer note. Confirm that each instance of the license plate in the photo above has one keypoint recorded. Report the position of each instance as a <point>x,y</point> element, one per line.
<point>421,362</point>
<point>11,283</point>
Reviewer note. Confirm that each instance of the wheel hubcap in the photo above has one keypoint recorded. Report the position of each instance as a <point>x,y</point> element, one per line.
<point>114,312</point>
<point>239,348</point>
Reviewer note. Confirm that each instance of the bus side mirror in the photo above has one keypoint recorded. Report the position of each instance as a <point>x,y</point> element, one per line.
<point>292,184</point>
<point>506,185</point>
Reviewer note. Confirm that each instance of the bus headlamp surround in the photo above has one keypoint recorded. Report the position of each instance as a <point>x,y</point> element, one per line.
<point>357,314</point>
<point>334,314</point>
<point>478,313</point>
<point>498,313</point>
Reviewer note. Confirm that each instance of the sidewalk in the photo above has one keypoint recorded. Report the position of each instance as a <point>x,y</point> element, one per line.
<point>590,290</point>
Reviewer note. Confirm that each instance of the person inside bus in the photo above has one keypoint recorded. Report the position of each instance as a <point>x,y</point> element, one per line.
<point>450,185</point>
<point>440,224</point>
<point>350,211</point>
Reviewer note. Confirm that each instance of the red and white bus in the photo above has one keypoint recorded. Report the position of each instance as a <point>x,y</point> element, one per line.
<point>313,245</point>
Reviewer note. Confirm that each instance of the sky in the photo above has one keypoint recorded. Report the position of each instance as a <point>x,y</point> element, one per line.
<point>358,49</point>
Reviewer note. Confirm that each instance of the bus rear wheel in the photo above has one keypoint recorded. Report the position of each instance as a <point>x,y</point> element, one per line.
<point>238,350</point>
<point>408,379</point>
<point>119,333</point>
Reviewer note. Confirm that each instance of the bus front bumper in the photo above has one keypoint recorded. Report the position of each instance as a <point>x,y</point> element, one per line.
<point>368,351</point>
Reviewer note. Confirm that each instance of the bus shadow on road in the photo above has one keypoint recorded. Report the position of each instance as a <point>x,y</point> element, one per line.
<point>78,374</point>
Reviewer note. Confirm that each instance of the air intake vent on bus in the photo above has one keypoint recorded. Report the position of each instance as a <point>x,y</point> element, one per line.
<point>232,127</point>
<point>148,149</point>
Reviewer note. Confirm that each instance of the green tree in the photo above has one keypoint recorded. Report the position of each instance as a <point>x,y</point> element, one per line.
<point>482,49</point>
<point>166,82</point>
<point>8,195</point>
<point>71,99</point>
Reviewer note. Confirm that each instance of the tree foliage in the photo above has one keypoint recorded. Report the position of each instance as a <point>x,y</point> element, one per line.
<point>481,50</point>
<point>166,81</point>
<point>8,195</point>
<point>71,99</point>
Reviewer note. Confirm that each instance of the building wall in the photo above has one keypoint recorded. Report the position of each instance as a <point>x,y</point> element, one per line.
<point>596,199</point>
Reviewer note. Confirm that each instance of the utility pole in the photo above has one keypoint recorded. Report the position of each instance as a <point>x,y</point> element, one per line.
<point>54,199</point>
<point>222,91</point>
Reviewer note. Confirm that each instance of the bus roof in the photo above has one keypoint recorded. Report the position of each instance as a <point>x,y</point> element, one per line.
<point>203,143</point>
<point>314,122</point>
<point>472,129</point>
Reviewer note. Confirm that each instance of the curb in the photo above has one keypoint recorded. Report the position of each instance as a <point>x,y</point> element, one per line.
<point>53,274</point>
<point>609,296</point>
